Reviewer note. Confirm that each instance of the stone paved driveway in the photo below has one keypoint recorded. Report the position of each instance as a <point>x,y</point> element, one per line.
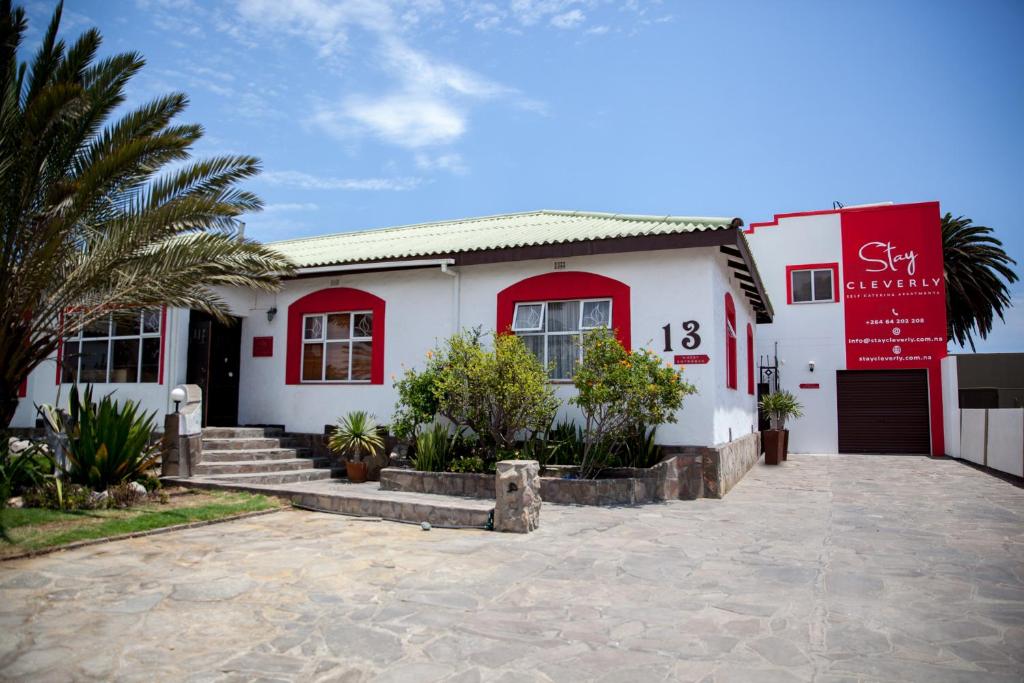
<point>828,568</point>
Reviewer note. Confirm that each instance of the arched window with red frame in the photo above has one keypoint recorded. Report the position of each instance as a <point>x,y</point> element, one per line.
<point>336,336</point>
<point>730,342</point>
<point>750,359</point>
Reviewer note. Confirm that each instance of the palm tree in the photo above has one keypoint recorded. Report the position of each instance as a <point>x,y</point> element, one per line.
<point>98,213</point>
<point>977,272</point>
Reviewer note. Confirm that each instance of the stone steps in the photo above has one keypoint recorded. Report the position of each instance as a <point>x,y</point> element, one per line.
<point>234,432</point>
<point>255,454</point>
<point>255,466</point>
<point>240,444</point>
<point>265,478</point>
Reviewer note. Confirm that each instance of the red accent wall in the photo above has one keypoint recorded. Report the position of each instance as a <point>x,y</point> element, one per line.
<point>750,359</point>
<point>834,267</point>
<point>23,388</point>
<point>730,343</point>
<point>568,285</point>
<point>894,295</point>
<point>335,299</point>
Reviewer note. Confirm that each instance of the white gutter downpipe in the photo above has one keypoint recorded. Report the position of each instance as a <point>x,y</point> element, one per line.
<point>456,296</point>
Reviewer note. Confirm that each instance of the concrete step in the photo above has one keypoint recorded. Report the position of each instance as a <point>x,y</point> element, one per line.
<point>254,466</point>
<point>233,433</point>
<point>269,478</point>
<point>254,454</point>
<point>224,444</point>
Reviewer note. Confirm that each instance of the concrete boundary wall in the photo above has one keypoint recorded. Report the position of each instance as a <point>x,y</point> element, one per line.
<point>994,438</point>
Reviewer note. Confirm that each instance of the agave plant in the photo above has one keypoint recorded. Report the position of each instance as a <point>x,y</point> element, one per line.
<point>357,432</point>
<point>977,272</point>
<point>108,442</point>
<point>433,449</point>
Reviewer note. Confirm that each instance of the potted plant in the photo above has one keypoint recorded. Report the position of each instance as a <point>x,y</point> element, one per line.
<point>779,406</point>
<point>355,433</point>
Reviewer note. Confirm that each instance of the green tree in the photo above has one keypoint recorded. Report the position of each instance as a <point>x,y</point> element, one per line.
<point>620,389</point>
<point>101,213</point>
<point>496,392</point>
<point>977,272</point>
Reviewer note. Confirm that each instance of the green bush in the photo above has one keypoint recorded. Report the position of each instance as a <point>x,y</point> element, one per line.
<point>433,449</point>
<point>57,495</point>
<point>638,448</point>
<point>108,443</point>
<point>417,402</point>
<point>20,471</point>
<point>617,389</point>
<point>472,463</point>
<point>356,432</point>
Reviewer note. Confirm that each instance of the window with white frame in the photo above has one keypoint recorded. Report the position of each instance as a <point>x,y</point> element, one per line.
<point>553,330</point>
<point>812,285</point>
<point>122,347</point>
<point>337,347</point>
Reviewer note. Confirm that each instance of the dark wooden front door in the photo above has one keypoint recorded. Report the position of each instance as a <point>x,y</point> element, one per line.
<point>214,357</point>
<point>883,411</point>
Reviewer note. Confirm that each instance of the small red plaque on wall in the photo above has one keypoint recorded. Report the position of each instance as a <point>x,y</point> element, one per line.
<point>810,386</point>
<point>692,359</point>
<point>262,347</point>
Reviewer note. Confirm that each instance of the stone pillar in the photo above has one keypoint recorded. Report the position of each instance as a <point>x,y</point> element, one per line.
<point>517,499</point>
<point>182,445</point>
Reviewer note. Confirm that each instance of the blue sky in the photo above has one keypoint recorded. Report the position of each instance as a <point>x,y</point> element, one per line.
<point>371,113</point>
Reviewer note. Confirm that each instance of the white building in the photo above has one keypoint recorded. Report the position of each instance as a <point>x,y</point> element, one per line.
<point>860,325</point>
<point>365,305</point>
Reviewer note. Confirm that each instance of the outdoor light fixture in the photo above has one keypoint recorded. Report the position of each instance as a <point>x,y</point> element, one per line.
<point>177,395</point>
<point>271,312</point>
<point>810,366</point>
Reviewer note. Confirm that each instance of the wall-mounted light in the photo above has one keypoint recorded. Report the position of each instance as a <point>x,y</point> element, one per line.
<point>271,312</point>
<point>810,366</point>
<point>177,395</point>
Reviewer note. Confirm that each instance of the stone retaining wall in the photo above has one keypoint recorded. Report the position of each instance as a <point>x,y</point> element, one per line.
<point>723,465</point>
<point>465,484</point>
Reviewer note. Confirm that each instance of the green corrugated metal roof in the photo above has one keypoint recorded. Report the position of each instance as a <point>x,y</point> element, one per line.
<point>490,232</point>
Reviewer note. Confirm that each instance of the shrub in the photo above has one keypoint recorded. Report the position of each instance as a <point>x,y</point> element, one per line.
<point>56,495</point>
<point>21,467</point>
<point>417,402</point>
<point>433,449</point>
<point>356,432</point>
<point>124,496</point>
<point>498,392</point>
<point>471,463</point>
<point>107,443</point>
<point>639,448</point>
<point>618,389</point>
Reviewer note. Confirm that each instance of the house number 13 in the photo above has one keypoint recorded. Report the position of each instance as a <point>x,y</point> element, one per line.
<point>691,339</point>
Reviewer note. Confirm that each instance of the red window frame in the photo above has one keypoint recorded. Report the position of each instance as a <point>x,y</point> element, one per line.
<point>568,286</point>
<point>834,267</point>
<point>334,300</point>
<point>750,359</point>
<point>730,342</point>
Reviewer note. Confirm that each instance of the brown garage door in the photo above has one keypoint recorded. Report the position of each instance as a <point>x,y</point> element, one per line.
<point>883,411</point>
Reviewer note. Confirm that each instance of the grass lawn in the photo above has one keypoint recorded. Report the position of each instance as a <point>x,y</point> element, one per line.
<point>25,529</point>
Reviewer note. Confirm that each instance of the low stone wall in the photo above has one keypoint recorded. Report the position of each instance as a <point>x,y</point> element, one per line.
<point>723,465</point>
<point>464,484</point>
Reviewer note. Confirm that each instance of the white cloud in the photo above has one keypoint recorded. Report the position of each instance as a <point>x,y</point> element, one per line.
<point>306,181</point>
<point>451,162</point>
<point>568,20</point>
<point>598,30</point>
<point>289,207</point>
<point>408,120</point>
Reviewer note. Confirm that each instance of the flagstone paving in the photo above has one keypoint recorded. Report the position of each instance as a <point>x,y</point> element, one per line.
<point>847,568</point>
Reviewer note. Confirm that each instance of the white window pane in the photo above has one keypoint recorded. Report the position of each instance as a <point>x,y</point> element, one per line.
<point>150,321</point>
<point>528,318</point>
<point>801,285</point>
<point>535,344</point>
<point>97,328</point>
<point>362,360</point>
<point>337,362</point>
<point>150,360</point>
<point>94,361</point>
<point>338,325</point>
<point>312,362</point>
<point>126,323</point>
<point>125,362</point>
<point>597,314</point>
<point>362,325</point>
<point>563,316</point>
<point>823,285</point>
<point>314,327</point>
<point>563,352</point>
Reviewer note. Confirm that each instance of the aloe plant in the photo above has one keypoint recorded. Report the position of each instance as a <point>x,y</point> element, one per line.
<point>357,432</point>
<point>780,406</point>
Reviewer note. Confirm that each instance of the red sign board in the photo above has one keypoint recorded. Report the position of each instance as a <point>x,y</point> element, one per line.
<point>814,385</point>
<point>262,347</point>
<point>894,294</point>
<point>692,359</point>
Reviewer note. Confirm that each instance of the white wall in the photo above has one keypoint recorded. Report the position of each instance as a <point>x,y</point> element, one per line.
<point>804,332</point>
<point>950,406</point>
<point>735,409</point>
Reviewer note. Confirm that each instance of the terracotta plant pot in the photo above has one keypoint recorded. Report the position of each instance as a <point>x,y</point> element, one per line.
<point>356,471</point>
<point>774,446</point>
